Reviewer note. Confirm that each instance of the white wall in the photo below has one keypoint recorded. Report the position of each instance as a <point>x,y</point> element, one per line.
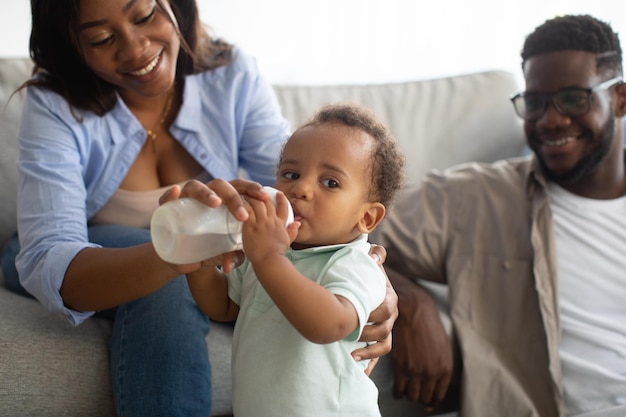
<point>14,27</point>
<point>362,41</point>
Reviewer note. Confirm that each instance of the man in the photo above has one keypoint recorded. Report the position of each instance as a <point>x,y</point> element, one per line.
<point>533,249</point>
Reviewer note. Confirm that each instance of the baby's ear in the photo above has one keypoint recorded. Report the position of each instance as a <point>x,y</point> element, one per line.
<point>372,215</point>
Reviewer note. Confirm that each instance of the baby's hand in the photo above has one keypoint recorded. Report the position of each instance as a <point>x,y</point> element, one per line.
<point>264,233</point>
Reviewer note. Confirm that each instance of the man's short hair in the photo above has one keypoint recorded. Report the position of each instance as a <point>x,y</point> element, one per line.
<point>576,33</point>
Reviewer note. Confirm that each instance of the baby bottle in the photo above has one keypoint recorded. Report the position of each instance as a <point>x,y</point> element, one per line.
<point>185,230</point>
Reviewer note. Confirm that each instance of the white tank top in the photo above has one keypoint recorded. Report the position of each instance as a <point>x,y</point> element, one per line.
<point>591,249</point>
<point>135,208</point>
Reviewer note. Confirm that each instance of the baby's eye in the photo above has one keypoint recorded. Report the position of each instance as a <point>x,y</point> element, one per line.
<point>290,175</point>
<point>330,183</point>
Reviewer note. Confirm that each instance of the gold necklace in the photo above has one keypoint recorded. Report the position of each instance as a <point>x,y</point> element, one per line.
<point>152,133</point>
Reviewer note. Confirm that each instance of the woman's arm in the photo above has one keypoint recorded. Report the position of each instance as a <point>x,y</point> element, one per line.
<point>56,262</point>
<point>117,276</point>
<point>101,278</point>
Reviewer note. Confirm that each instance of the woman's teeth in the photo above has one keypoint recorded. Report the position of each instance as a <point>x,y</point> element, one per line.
<point>147,68</point>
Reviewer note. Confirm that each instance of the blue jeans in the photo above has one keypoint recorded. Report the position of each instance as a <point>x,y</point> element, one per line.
<point>159,358</point>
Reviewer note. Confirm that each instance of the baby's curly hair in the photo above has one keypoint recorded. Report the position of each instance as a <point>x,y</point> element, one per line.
<point>387,167</point>
<point>576,33</point>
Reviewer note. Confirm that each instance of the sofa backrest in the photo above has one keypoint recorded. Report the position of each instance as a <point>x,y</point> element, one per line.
<point>438,122</point>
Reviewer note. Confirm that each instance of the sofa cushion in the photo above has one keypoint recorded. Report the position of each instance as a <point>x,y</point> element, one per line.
<point>13,72</point>
<point>50,368</point>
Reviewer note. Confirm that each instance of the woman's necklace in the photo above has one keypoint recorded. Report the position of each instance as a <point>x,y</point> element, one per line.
<point>152,133</point>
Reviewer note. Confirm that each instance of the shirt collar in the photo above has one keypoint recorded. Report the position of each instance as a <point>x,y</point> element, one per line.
<point>327,248</point>
<point>187,118</point>
<point>190,110</point>
<point>122,116</point>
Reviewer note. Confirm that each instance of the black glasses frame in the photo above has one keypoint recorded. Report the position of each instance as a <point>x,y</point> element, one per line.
<point>518,103</point>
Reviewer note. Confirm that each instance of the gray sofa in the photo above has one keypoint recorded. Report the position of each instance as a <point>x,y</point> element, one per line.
<point>48,368</point>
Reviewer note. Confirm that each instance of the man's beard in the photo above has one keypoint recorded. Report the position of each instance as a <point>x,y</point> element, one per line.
<point>588,163</point>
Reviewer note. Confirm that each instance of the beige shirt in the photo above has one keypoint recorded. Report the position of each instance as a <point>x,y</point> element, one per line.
<point>135,208</point>
<point>486,230</point>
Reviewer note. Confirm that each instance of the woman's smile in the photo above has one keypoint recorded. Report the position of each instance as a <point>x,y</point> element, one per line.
<point>148,68</point>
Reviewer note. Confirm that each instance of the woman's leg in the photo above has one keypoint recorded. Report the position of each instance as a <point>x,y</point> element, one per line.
<point>159,358</point>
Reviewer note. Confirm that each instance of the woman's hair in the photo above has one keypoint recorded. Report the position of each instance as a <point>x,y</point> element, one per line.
<point>387,165</point>
<point>59,66</point>
<point>576,33</point>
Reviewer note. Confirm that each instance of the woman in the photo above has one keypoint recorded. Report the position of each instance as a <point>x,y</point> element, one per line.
<point>131,98</point>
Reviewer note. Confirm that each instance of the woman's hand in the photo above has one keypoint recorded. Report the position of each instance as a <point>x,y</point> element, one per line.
<point>213,194</point>
<point>378,334</point>
<point>217,192</point>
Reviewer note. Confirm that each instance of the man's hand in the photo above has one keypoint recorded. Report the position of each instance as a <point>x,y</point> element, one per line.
<point>422,351</point>
<point>379,332</point>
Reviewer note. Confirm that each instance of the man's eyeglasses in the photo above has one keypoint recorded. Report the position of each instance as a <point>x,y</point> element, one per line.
<point>570,102</point>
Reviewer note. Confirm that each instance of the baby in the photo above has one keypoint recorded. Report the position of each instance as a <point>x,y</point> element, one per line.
<point>305,292</point>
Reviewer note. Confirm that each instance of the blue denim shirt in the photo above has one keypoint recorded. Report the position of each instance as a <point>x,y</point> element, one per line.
<point>72,161</point>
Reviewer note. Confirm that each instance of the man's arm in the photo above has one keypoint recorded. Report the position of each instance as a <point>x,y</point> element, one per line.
<point>422,350</point>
